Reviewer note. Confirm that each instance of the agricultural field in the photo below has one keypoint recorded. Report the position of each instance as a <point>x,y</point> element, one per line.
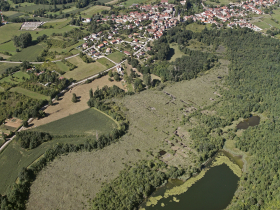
<point>154,117</point>
<point>84,70</point>
<point>67,49</point>
<point>13,158</point>
<point>8,31</point>
<point>93,10</point>
<point>58,23</point>
<point>130,2</point>
<point>29,93</point>
<point>105,62</point>
<point>8,47</point>
<point>65,107</point>
<point>116,56</point>
<point>29,53</point>
<point>89,122</point>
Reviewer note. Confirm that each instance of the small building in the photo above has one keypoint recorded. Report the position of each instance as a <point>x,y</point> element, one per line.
<point>87,20</point>
<point>113,41</point>
<point>105,42</point>
<point>136,40</point>
<point>126,52</point>
<point>108,50</point>
<point>164,1</point>
<point>119,70</point>
<point>100,46</point>
<point>85,45</point>
<point>97,54</point>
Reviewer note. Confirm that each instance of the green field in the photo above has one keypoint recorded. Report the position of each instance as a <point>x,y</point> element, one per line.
<point>67,49</point>
<point>29,53</point>
<point>93,10</point>
<point>116,56</point>
<point>30,93</point>
<point>14,158</point>
<point>105,62</point>
<point>84,70</point>
<point>15,78</point>
<point>4,66</point>
<point>130,2</point>
<point>58,23</point>
<point>62,66</point>
<point>8,47</point>
<point>8,31</point>
<point>176,52</point>
<point>197,27</point>
<point>87,122</point>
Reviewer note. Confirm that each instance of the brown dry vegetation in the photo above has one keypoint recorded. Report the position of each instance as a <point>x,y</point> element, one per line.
<point>65,107</point>
<point>69,181</point>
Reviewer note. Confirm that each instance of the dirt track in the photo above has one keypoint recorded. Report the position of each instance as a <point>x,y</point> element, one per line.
<point>65,107</point>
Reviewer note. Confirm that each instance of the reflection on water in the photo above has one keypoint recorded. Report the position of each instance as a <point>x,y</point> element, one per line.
<point>252,121</point>
<point>213,191</point>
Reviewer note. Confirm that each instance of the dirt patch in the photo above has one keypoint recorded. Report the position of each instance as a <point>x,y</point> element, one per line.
<point>65,107</point>
<point>13,122</point>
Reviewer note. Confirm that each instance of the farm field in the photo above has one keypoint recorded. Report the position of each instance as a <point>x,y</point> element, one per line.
<point>89,121</point>
<point>9,30</point>
<point>29,53</point>
<point>67,49</point>
<point>8,47</point>
<point>93,10</point>
<point>65,107</point>
<point>13,158</point>
<point>152,124</point>
<point>116,56</point>
<point>130,2</point>
<point>58,23</point>
<point>84,70</point>
<point>29,93</point>
<point>105,62</point>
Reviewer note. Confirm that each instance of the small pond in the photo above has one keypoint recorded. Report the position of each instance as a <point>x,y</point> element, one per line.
<point>251,121</point>
<point>211,189</point>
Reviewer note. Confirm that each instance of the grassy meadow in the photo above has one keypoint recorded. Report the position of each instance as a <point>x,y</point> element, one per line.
<point>88,122</point>
<point>197,27</point>
<point>15,78</point>
<point>93,10</point>
<point>29,93</point>
<point>116,56</point>
<point>175,52</point>
<point>84,70</point>
<point>29,53</point>
<point>4,66</point>
<point>105,62</point>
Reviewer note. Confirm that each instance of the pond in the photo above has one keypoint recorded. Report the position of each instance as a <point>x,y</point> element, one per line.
<point>212,189</point>
<point>251,121</point>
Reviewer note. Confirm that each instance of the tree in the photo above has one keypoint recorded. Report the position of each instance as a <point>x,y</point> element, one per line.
<point>91,93</point>
<point>50,102</point>
<point>56,97</point>
<point>3,136</point>
<point>23,40</point>
<point>110,73</point>
<point>25,124</point>
<point>147,80</point>
<point>138,85</point>
<point>74,98</point>
<point>117,77</point>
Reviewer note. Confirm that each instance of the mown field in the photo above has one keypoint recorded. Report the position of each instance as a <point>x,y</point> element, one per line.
<point>116,56</point>
<point>175,52</point>
<point>197,27</point>
<point>89,122</point>
<point>30,93</point>
<point>105,62</point>
<point>29,54</point>
<point>62,66</point>
<point>153,117</point>
<point>84,70</point>
<point>93,10</point>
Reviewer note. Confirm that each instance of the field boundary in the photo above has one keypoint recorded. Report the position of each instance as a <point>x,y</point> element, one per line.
<point>107,116</point>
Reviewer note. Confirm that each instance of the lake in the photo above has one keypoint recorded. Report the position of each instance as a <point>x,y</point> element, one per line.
<point>251,121</point>
<point>212,191</point>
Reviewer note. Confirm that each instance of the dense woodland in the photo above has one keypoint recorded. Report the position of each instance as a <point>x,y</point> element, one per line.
<point>31,140</point>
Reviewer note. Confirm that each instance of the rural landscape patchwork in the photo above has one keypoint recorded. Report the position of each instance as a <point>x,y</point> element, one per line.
<point>139,104</point>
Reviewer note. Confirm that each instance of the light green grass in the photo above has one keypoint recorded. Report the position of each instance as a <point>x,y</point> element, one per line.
<point>62,66</point>
<point>8,47</point>
<point>197,27</point>
<point>29,93</point>
<point>8,31</point>
<point>14,158</point>
<point>177,52</point>
<point>93,10</point>
<point>116,56</point>
<point>9,13</point>
<point>130,2</point>
<point>29,53</point>
<point>106,62</point>
<point>58,23</point>
<point>84,70</point>
<point>89,121</point>
<point>262,25</point>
